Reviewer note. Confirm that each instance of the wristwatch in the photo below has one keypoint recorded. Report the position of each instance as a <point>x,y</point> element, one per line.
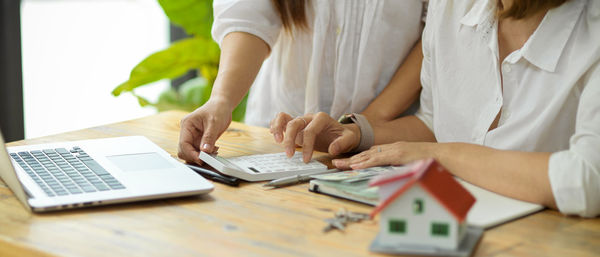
<point>346,118</point>
<point>366,131</point>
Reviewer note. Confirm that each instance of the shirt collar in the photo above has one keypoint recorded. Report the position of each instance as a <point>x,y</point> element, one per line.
<point>546,45</point>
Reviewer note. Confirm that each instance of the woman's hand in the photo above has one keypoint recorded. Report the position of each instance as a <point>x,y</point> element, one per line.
<point>242,55</point>
<point>314,132</point>
<point>201,129</point>
<point>389,154</point>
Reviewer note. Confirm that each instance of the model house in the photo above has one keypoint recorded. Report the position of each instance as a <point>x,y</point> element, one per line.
<point>425,207</point>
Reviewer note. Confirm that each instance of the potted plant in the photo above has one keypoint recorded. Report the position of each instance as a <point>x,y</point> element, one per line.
<point>198,52</point>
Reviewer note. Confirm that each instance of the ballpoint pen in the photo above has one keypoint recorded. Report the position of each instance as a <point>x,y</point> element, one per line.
<point>281,182</point>
<point>209,174</point>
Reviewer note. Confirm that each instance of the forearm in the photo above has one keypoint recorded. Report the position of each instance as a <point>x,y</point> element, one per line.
<point>520,175</point>
<point>242,55</point>
<point>408,128</point>
<point>402,90</point>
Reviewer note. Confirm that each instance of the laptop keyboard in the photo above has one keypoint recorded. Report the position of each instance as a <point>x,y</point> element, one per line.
<point>62,172</point>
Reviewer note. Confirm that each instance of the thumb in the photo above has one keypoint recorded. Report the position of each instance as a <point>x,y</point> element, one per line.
<point>209,136</point>
<point>342,144</point>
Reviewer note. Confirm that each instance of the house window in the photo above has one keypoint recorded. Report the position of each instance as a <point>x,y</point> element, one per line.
<point>439,229</point>
<point>418,206</point>
<point>397,226</point>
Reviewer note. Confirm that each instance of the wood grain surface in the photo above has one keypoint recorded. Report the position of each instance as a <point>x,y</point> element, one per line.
<point>242,221</point>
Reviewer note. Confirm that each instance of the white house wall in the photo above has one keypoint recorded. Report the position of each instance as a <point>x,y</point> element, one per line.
<point>418,226</point>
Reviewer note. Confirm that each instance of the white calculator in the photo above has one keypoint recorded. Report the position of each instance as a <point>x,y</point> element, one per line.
<point>261,167</point>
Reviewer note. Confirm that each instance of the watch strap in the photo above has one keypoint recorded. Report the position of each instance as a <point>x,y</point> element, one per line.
<point>367,138</point>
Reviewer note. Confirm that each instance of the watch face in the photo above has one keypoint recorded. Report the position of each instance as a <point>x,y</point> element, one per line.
<point>346,118</point>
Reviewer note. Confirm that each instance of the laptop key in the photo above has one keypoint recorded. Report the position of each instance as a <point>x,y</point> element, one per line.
<point>95,180</point>
<point>119,186</point>
<point>69,184</point>
<point>106,176</point>
<point>54,185</point>
<point>61,150</point>
<point>86,184</point>
<point>95,167</point>
<point>111,181</point>
<point>75,191</point>
<point>100,186</point>
<point>88,189</point>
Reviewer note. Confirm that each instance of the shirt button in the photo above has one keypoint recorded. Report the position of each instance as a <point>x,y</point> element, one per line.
<point>507,68</point>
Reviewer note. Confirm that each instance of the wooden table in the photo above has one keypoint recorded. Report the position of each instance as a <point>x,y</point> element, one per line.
<point>241,221</point>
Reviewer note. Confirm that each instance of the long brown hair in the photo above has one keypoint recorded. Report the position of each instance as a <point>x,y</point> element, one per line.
<point>524,8</point>
<point>292,13</point>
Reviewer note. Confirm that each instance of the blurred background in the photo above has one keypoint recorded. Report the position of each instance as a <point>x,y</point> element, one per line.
<point>72,64</point>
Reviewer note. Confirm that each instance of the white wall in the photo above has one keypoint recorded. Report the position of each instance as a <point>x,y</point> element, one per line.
<point>76,51</point>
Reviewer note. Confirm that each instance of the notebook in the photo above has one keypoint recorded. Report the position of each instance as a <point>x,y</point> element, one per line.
<point>490,209</point>
<point>76,174</point>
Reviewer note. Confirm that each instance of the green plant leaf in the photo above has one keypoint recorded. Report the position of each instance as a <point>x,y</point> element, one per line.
<point>195,16</point>
<point>181,56</point>
<point>209,72</point>
<point>142,101</point>
<point>168,100</point>
<point>192,93</point>
<point>240,111</point>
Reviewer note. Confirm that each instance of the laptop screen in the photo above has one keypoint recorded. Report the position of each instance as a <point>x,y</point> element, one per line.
<point>9,176</point>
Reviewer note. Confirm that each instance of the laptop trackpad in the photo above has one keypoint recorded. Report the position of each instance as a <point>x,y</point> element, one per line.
<point>137,162</point>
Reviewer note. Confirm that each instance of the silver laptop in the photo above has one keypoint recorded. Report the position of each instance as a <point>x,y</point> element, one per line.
<point>76,174</point>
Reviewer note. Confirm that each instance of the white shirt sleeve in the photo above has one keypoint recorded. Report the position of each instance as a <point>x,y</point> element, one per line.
<point>575,173</point>
<point>257,17</point>
<point>425,112</point>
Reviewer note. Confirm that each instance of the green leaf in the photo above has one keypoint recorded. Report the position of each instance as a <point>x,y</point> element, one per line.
<point>168,100</point>
<point>195,16</point>
<point>192,93</point>
<point>142,101</point>
<point>209,72</point>
<point>240,111</point>
<point>181,56</point>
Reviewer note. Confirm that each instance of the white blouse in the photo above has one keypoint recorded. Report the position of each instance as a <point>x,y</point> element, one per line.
<point>345,59</point>
<point>549,99</point>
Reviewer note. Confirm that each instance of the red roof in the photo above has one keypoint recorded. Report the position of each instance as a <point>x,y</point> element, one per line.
<point>437,181</point>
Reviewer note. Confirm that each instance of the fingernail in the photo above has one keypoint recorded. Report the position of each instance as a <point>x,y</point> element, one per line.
<point>206,147</point>
<point>278,137</point>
